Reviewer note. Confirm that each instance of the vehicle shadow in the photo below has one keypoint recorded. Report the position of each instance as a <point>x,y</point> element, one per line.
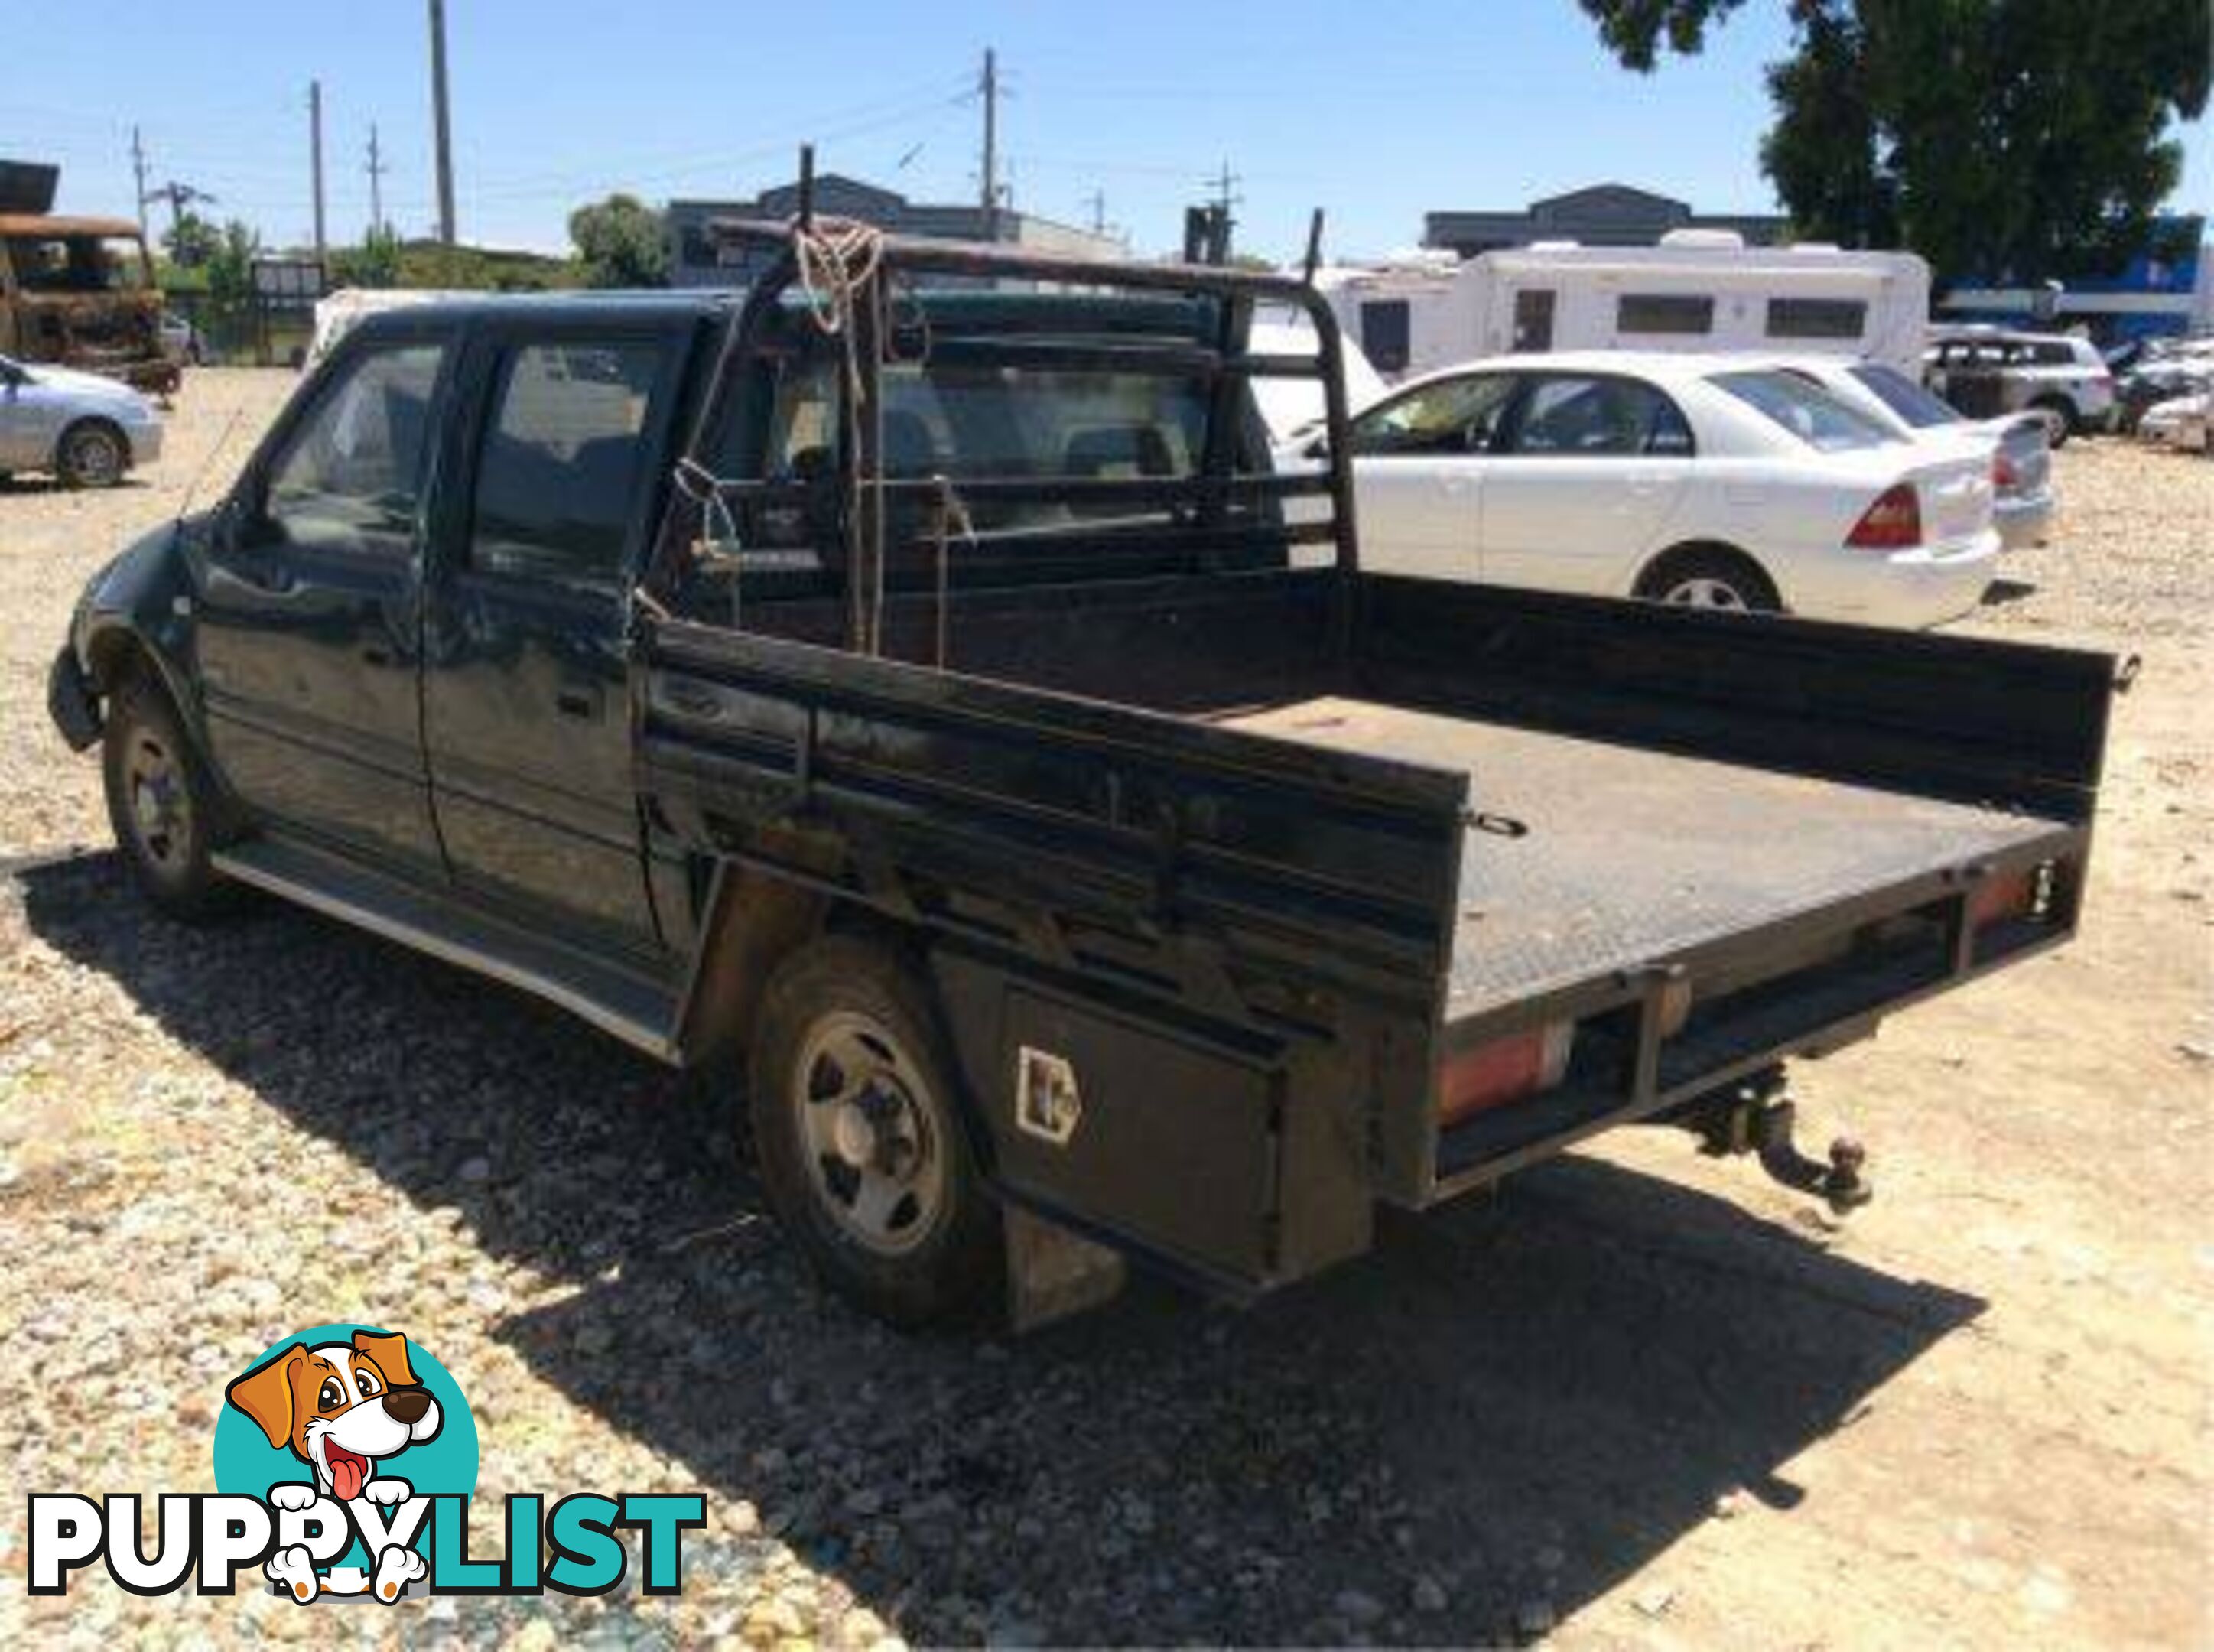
<point>2002,592</point>
<point>1502,1412</point>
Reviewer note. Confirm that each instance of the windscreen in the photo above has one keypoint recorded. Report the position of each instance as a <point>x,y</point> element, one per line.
<point>1916,406</point>
<point>76,263</point>
<point>1808,410</point>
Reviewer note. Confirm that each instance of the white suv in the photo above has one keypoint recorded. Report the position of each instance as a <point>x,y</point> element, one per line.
<point>1985,372</point>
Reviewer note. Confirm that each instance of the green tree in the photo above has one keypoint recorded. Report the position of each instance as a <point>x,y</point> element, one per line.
<point>191,241</point>
<point>621,242</point>
<point>374,263</point>
<point>230,264</point>
<point>2012,140</point>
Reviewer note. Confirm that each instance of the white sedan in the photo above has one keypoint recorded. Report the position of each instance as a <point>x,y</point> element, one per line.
<point>1702,481</point>
<point>2023,500</point>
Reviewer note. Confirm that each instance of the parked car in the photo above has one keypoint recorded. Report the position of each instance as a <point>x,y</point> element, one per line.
<point>2180,422</point>
<point>1063,858</point>
<point>180,339</point>
<point>85,428</point>
<point>2157,378</point>
<point>1984,372</point>
<point>1711,481</point>
<point>2018,445</point>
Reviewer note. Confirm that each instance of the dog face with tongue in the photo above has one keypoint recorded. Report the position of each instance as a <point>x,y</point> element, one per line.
<point>339,1407</point>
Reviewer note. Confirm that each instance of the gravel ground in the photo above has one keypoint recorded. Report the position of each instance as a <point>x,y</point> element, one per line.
<point>1641,1399</point>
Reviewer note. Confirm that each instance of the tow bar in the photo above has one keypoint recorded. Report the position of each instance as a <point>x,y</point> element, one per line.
<point>1756,1117</point>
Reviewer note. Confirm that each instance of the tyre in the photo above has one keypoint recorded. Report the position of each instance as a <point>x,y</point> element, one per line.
<point>91,453</point>
<point>2060,416</point>
<point>161,803</point>
<point>859,1137</point>
<point>1704,577</point>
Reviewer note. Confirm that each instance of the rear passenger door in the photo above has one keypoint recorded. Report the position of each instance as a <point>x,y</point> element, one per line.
<point>1590,470</point>
<point>525,723</point>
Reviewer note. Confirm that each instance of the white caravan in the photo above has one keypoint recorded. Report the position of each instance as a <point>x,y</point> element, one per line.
<point>1699,290</point>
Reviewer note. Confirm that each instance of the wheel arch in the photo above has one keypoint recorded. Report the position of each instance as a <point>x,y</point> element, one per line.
<point>1649,573</point>
<point>103,422</point>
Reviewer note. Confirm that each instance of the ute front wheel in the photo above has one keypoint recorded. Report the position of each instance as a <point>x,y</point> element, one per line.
<point>861,1141</point>
<point>160,804</point>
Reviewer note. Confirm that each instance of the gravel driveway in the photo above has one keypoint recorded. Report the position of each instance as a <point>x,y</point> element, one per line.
<point>1640,1399</point>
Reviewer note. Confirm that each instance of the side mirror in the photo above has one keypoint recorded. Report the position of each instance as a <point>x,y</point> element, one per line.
<point>1317,450</point>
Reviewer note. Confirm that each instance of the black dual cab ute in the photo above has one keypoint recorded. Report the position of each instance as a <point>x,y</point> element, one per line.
<point>908,677</point>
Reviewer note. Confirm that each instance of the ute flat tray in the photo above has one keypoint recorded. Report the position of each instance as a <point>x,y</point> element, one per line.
<point>1633,856</point>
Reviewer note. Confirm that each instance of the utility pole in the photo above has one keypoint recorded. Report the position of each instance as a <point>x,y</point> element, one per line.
<point>990,88</point>
<point>442,121</point>
<point>1096,201</point>
<point>139,172</point>
<point>376,171</point>
<point>1225,197</point>
<point>315,159</point>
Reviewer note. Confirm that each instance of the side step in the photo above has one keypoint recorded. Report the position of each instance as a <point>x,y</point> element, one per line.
<point>632,1005</point>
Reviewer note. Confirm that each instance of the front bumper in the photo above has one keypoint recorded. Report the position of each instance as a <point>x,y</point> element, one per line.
<point>70,701</point>
<point>145,441</point>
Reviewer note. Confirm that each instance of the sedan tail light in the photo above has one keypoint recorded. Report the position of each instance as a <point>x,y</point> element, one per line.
<point>2003,474</point>
<point>1894,523</point>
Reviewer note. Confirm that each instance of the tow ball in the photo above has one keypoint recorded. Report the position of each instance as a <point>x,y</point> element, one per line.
<point>1758,1118</point>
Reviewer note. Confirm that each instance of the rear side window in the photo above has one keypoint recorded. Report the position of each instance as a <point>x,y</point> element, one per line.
<point>1816,318</point>
<point>1904,396</point>
<point>1581,417</point>
<point>1664,312</point>
<point>1808,410</point>
<point>561,460</point>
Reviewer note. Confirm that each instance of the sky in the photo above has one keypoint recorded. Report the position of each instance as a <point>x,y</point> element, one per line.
<point>1376,112</point>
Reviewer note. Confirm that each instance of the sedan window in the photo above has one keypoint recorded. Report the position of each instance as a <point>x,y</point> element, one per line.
<point>1904,396</point>
<point>1808,410</point>
<point>1597,416</point>
<point>1458,415</point>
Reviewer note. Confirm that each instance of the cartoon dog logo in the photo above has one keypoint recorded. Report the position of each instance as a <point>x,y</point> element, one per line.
<point>342,1409</point>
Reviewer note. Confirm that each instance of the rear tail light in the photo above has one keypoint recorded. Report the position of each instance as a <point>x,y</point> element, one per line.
<point>2024,893</point>
<point>1507,1069</point>
<point>1894,523</point>
<point>2003,474</point>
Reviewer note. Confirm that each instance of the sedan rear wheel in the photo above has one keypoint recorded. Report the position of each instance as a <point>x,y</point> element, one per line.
<point>1720,580</point>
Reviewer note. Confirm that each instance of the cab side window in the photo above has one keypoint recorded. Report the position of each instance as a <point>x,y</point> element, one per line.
<point>561,460</point>
<point>351,476</point>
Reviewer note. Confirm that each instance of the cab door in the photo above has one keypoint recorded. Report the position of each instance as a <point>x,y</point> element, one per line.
<point>1418,467</point>
<point>309,629</point>
<point>525,718</point>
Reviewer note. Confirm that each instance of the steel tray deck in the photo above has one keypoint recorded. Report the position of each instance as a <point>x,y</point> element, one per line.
<point>1632,855</point>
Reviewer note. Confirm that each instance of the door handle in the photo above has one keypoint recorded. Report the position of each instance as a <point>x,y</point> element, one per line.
<point>583,704</point>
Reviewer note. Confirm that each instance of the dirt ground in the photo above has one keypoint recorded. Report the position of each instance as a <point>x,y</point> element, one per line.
<point>1644,1399</point>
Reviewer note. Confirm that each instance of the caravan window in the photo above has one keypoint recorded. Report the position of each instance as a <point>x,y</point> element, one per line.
<point>1664,312</point>
<point>1816,318</point>
<point>1387,333</point>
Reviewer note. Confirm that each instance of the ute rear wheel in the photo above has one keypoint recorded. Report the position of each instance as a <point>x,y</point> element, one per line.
<point>161,803</point>
<point>862,1145</point>
<point>91,453</point>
